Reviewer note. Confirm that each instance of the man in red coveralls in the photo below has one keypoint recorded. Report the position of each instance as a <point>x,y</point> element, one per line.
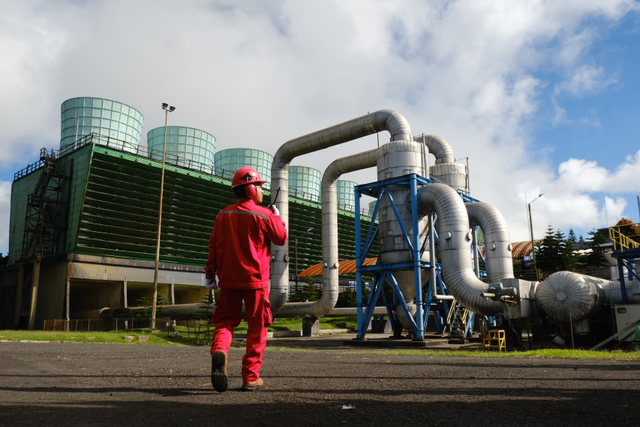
<point>239,254</point>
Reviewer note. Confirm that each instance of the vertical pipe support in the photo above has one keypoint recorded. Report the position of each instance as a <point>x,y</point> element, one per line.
<point>416,259</point>
<point>623,288</point>
<point>358,265</point>
<point>35,282</point>
<point>20,286</point>
<point>68,297</point>
<point>474,248</point>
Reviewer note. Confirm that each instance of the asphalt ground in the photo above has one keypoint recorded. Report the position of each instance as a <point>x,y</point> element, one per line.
<point>323,384</point>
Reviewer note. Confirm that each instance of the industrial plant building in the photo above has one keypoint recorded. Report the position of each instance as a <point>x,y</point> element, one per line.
<point>84,217</point>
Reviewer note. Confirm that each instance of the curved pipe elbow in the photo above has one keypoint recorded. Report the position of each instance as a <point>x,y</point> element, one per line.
<point>455,245</point>
<point>437,146</point>
<point>497,240</point>
<point>378,121</point>
<point>330,272</point>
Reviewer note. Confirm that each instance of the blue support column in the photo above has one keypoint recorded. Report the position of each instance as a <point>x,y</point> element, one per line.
<point>416,260</point>
<point>623,289</point>
<point>358,266</point>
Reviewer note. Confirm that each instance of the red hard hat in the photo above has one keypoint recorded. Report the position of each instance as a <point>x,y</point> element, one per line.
<point>246,175</point>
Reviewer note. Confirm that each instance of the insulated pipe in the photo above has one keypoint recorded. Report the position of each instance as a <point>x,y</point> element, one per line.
<point>567,295</point>
<point>371,123</point>
<point>455,244</point>
<point>330,288</point>
<point>438,147</point>
<point>497,242</point>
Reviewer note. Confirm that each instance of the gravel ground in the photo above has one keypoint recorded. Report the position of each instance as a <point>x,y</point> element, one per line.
<point>69,384</point>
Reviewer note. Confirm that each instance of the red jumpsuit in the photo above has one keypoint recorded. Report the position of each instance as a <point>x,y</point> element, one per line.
<point>240,254</point>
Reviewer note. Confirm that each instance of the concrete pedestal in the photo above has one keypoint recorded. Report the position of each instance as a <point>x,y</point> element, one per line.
<point>310,327</point>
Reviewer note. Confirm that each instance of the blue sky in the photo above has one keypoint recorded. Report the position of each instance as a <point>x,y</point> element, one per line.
<point>541,96</point>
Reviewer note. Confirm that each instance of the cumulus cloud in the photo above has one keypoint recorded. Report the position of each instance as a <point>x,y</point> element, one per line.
<point>580,175</point>
<point>256,74</point>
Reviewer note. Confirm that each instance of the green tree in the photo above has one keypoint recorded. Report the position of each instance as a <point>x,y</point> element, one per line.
<point>548,251</point>
<point>595,257</point>
<point>207,303</point>
<point>570,255</point>
<point>145,307</point>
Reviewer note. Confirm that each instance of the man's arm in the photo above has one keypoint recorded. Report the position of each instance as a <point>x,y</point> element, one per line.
<point>275,229</point>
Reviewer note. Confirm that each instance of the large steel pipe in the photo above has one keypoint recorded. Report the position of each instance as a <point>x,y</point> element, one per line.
<point>378,121</point>
<point>455,245</point>
<point>497,242</point>
<point>330,265</point>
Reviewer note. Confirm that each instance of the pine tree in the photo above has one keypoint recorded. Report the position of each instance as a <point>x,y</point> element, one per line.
<point>547,252</point>
<point>560,260</point>
<point>595,258</point>
<point>570,255</point>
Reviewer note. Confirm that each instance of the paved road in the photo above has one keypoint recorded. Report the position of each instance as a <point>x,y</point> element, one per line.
<point>69,384</point>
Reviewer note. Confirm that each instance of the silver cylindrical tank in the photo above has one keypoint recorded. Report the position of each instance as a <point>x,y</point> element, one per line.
<point>118,124</point>
<point>305,183</point>
<point>570,296</point>
<point>186,146</point>
<point>346,195</point>
<point>455,175</point>
<point>228,161</point>
<point>397,159</point>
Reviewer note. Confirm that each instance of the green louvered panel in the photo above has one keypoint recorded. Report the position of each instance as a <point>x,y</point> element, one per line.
<point>76,169</point>
<point>20,190</point>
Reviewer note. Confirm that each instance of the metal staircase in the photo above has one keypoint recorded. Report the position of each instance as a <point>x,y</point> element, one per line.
<point>458,321</point>
<point>44,218</point>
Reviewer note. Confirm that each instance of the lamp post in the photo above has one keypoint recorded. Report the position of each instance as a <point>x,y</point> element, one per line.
<point>533,247</point>
<point>167,109</point>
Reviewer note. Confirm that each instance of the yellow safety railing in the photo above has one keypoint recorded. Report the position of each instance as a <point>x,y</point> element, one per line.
<point>452,311</point>
<point>623,241</point>
<point>495,339</point>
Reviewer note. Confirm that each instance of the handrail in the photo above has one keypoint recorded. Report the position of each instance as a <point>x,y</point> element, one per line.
<point>452,311</point>
<point>128,147</point>
<point>622,241</point>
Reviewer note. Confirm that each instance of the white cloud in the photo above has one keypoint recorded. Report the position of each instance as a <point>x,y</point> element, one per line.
<point>587,176</point>
<point>257,74</point>
<point>585,80</point>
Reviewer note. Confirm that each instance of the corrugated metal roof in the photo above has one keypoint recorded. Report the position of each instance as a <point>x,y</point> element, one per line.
<point>345,267</point>
<point>519,249</point>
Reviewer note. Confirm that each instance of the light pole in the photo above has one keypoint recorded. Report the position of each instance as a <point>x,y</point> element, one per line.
<point>533,247</point>
<point>167,109</point>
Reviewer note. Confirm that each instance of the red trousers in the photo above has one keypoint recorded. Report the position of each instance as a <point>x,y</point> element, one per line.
<point>229,314</point>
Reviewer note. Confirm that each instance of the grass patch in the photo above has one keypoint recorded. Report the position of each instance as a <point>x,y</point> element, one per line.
<point>543,353</point>
<point>89,337</point>
<point>295,324</point>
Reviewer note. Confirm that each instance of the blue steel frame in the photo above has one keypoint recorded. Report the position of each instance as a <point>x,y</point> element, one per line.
<point>383,271</point>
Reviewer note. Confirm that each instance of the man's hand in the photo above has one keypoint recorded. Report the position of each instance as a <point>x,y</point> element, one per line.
<point>211,284</point>
<point>274,209</point>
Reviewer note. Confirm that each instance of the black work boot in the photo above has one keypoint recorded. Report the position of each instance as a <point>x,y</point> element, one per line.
<point>219,371</point>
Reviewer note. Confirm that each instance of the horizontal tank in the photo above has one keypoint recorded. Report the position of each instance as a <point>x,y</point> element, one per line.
<point>346,195</point>
<point>186,147</point>
<point>305,183</point>
<point>119,125</point>
<point>228,161</point>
